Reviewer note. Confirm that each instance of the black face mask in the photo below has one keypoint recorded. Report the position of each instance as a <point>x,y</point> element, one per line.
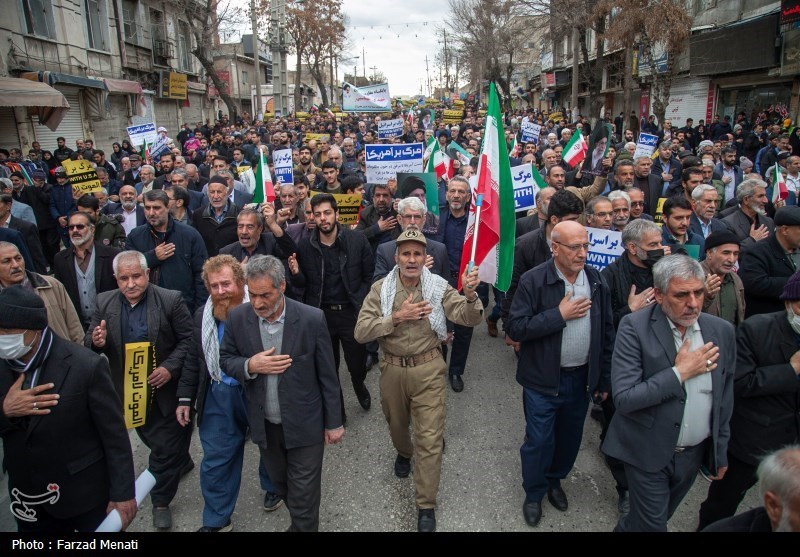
<point>653,256</point>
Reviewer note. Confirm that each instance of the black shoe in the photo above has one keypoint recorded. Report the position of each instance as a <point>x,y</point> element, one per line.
<point>457,383</point>
<point>624,503</point>
<point>362,394</point>
<point>227,528</point>
<point>557,498</point>
<point>372,359</point>
<point>532,511</point>
<point>188,467</point>
<point>402,466</point>
<point>162,518</point>
<point>272,501</point>
<point>426,521</point>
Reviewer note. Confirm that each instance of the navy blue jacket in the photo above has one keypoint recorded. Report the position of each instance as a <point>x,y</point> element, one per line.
<point>62,204</point>
<point>183,270</point>
<point>535,321</point>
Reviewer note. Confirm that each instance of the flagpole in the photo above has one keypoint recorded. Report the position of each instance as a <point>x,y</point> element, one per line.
<point>478,205</point>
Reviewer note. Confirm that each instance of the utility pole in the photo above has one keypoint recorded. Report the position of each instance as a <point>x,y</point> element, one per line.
<point>446,63</point>
<point>330,68</point>
<point>363,62</point>
<point>278,47</point>
<point>575,76</point>
<point>374,72</point>
<point>428,75</point>
<point>256,60</point>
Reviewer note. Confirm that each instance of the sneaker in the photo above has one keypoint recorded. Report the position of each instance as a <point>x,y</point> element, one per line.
<point>272,502</point>
<point>227,528</point>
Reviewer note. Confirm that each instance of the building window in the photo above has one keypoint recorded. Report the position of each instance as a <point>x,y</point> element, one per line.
<point>162,51</point>
<point>184,46</point>
<point>96,23</point>
<point>131,29</point>
<point>38,17</point>
<point>244,77</point>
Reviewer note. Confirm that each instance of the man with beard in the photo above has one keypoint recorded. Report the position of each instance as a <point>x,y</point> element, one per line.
<point>750,221</point>
<point>61,315</point>
<point>302,230</point>
<point>672,379</point>
<point>139,312</point>
<point>724,289</point>
<point>129,208</point>
<point>378,222</point>
<point>107,229</point>
<point>406,313</point>
<point>293,395</point>
<point>216,222</point>
<point>675,231</point>
<point>337,264</point>
<point>649,183</point>
<point>85,269</point>
<point>620,209</point>
<point>288,197</point>
<point>766,266</point>
<point>305,166</point>
<point>599,213</point>
<point>539,217</point>
<point>219,399</point>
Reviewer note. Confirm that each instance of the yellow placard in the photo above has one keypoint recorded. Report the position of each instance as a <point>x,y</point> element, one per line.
<point>458,102</point>
<point>348,204</point>
<point>317,136</point>
<point>82,177</point>
<point>177,86</point>
<point>658,216</point>
<point>453,115</point>
<point>302,115</point>
<point>140,359</point>
<point>555,116</point>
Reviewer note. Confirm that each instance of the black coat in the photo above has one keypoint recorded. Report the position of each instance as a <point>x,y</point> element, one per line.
<point>30,233</point>
<point>169,326</point>
<point>764,269</point>
<point>64,271</point>
<point>619,275</point>
<point>216,235</point>
<point>39,200</point>
<point>766,409</point>
<point>81,445</point>
<point>531,250</point>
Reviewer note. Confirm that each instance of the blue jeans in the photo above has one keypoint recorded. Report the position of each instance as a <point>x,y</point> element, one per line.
<point>553,432</point>
<point>222,434</point>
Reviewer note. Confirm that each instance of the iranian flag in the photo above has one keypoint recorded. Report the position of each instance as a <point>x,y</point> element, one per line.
<point>540,183</point>
<point>439,162</point>
<point>265,190</point>
<point>779,189</point>
<point>575,150</point>
<point>515,148</point>
<point>491,223</point>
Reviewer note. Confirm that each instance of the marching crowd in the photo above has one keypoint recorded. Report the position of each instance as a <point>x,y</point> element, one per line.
<point>686,345</point>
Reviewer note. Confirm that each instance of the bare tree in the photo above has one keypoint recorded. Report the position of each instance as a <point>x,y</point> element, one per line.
<point>317,29</point>
<point>656,26</point>
<point>206,19</point>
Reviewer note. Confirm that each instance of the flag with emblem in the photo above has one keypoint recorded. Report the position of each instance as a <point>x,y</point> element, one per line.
<point>265,189</point>
<point>779,189</point>
<point>575,150</point>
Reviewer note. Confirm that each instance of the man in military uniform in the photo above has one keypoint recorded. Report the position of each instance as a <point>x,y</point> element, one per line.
<point>406,313</point>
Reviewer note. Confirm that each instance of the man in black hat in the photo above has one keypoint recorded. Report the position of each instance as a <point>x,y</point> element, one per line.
<point>67,452</point>
<point>724,290</point>
<point>765,404</point>
<point>766,266</point>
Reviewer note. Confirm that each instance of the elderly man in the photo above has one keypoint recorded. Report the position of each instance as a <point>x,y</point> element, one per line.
<point>61,315</point>
<point>219,399</point>
<point>538,218</point>
<point>216,222</point>
<point>293,394</point>
<point>704,200</point>
<point>637,204</point>
<point>20,209</point>
<point>137,313</point>
<point>766,266</point>
<point>766,405</point>
<point>750,221</point>
<point>147,176</point>
<point>561,316</point>
<point>620,209</point>
<point>107,229</point>
<point>130,209</point>
<point>63,432</point>
<point>672,379</point>
<point>406,312</point>
<point>779,476</point>
<point>724,290</point>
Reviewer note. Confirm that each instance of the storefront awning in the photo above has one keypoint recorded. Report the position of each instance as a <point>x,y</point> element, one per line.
<point>52,78</point>
<point>123,86</point>
<point>40,98</point>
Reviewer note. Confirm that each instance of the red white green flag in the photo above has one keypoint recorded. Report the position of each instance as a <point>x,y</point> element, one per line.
<point>439,162</point>
<point>575,150</point>
<point>494,192</point>
<point>265,190</point>
<point>779,189</point>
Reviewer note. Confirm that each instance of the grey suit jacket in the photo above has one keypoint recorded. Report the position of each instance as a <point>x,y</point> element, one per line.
<point>384,259</point>
<point>738,223</point>
<point>650,399</point>
<point>308,392</point>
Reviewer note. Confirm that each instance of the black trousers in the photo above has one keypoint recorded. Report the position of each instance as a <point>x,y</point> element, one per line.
<point>725,495</point>
<point>297,476</point>
<point>616,466</point>
<point>341,326</point>
<point>46,523</point>
<point>50,244</point>
<point>168,442</point>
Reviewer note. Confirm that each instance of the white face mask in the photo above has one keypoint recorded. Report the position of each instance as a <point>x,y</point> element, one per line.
<point>794,320</point>
<point>12,347</point>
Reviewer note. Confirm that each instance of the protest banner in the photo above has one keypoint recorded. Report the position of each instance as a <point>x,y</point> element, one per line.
<point>349,205</point>
<point>646,145</point>
<point>318,137</point>
<point>605,246</point>
<point>372,98</point>
<point>525,187</point>
<point>658,216</point>
<point>385,161</point>
<point>388,129</point>
<point>284,168</point>
<point>302,116</point>
<point>555,116</point>
<point>530,132</point>
<point>452,116</point>
<point>140,359</point>
<point>82,177</point>
<point>143,134</point>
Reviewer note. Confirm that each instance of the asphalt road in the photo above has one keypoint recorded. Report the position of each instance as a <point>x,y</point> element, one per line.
<point>480,488</point>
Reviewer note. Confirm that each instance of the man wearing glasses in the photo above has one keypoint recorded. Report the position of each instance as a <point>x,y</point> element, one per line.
<point>561,316</point>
